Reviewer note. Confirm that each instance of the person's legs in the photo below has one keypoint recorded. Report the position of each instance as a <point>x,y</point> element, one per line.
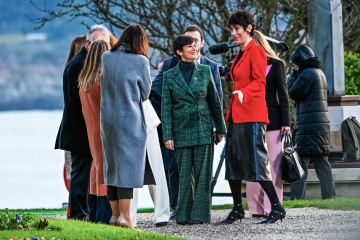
<point>238,211</point>
<point>277,211</point>
<point>185,199</point>
<point>92,201</point>
<point>124,207</point>
<point>202,170</point>
<point>273,140</point>
<point>269,189</point>
<point>324,173</point>
<point>159,192</point>
<point>79,186</point>
<point>103,210</point>
<point>115,208</point>
<point>165,157</point>
<point>298,189</point>
<point>134,205</point>
<point>174,179</point>
<point>120,201</point>
<point>255,198</point>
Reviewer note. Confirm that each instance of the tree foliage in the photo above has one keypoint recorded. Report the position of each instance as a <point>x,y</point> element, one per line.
<point>285,20</point>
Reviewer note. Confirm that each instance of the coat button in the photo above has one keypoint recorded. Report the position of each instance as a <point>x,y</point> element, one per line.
<point>196,105</point>
<point>185,106</point>
<point>200,92</point>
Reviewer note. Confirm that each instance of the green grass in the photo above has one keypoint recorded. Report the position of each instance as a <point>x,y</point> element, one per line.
<point>72,229</point>
<point>335,204</point>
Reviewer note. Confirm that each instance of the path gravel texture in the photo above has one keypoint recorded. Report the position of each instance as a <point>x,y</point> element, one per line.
<point>300,223</point>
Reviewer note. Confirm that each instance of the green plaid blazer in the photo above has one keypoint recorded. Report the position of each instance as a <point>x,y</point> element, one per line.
<point>187,110</point>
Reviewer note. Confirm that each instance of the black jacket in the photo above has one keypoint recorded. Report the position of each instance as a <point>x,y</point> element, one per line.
<point>276,96</point>
<point>72,135</point>
<point>309,90</point>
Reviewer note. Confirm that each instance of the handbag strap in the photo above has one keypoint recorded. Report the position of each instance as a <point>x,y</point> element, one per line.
<point>287,141</point>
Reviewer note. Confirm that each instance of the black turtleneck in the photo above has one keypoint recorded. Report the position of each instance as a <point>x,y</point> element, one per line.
<point>186,69</point>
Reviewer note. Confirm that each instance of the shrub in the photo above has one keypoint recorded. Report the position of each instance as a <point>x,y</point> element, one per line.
<point>18,221</point>
<point>352,73</point>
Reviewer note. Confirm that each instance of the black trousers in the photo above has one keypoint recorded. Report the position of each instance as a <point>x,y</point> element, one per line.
<point>170,164</point>
<point>323,172</point>
<point>79,186</point>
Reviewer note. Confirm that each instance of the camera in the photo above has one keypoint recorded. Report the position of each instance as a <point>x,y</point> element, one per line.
<point>223,48</point>
<point>276,45</point>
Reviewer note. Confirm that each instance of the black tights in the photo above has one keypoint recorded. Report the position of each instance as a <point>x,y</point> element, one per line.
<point>268,186</point>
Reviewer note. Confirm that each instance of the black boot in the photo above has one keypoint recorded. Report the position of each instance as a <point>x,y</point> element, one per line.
<point>277,213</point>
<point>236,213</point>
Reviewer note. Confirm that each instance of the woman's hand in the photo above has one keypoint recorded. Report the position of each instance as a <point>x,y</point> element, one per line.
<point>220,136</point>
<point>169,144</point>
<point>285,129</point>
<point>240,95</point>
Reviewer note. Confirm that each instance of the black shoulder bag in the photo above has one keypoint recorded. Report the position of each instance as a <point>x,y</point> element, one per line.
<point>291,169</point>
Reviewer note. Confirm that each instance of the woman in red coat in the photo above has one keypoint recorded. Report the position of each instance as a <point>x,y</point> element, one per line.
<point>246,152</point>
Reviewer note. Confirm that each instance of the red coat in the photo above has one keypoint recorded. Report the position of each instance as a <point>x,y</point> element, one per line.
<point>249,76</point>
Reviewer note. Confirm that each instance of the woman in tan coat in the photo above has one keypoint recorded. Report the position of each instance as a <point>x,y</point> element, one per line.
<point>89,85</point>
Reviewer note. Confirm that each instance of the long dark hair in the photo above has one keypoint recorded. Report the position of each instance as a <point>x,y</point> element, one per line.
<point>134,39</point>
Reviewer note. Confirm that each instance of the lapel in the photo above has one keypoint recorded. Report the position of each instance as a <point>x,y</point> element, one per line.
<point>179,80</point>
<point>246,51</point>
<point>195,78</point>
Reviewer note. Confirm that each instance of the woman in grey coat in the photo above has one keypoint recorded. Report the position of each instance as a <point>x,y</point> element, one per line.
<point>125,83</point>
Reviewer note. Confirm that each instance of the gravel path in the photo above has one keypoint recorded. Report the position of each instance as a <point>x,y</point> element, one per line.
<point>300,223</point>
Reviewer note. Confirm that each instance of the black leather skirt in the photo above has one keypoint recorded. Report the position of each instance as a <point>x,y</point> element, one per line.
<point>246,152</point>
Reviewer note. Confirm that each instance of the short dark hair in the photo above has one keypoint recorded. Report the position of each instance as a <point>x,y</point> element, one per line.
<point>194,28</point>
<point>179,43</point>
<point>242,18</point>
<point>134,39</point>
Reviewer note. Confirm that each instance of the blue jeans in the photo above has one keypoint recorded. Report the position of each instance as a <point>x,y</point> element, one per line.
<point>323,172</point>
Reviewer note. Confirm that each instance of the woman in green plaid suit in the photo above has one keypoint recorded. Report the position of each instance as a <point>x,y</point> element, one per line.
<point>189,103</point>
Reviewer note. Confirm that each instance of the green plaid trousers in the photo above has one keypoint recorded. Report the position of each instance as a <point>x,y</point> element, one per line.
<point>195,170</point>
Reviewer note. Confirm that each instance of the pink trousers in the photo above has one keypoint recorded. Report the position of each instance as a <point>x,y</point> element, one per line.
<point>256,197</point>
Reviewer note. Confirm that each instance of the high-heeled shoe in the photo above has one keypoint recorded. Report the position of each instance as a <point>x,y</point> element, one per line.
<point>113,221</point>
<point>277,213</point>
<point>122,222</point>
<point>237,213</point>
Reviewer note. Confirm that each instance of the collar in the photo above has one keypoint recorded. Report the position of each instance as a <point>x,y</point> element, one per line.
<point>199,59</point>
<point>84,51</point>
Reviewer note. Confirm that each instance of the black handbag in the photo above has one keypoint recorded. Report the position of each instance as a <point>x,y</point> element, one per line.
<point>291,169</point>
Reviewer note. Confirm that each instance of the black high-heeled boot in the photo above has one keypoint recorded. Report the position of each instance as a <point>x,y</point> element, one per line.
<point>277,213</point>
<point>236,213</point>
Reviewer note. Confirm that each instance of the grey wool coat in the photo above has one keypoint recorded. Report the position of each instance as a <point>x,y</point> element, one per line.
<point>125,83</point>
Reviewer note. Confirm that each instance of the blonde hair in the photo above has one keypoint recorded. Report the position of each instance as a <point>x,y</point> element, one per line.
<point>113,40</point>
<point>260,39</point>
<point>92,65</point>
<point>75,47</point>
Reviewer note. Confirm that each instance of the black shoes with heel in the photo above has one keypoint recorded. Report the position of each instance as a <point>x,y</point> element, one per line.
<point>277,213</point>
<point>237,213</point>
